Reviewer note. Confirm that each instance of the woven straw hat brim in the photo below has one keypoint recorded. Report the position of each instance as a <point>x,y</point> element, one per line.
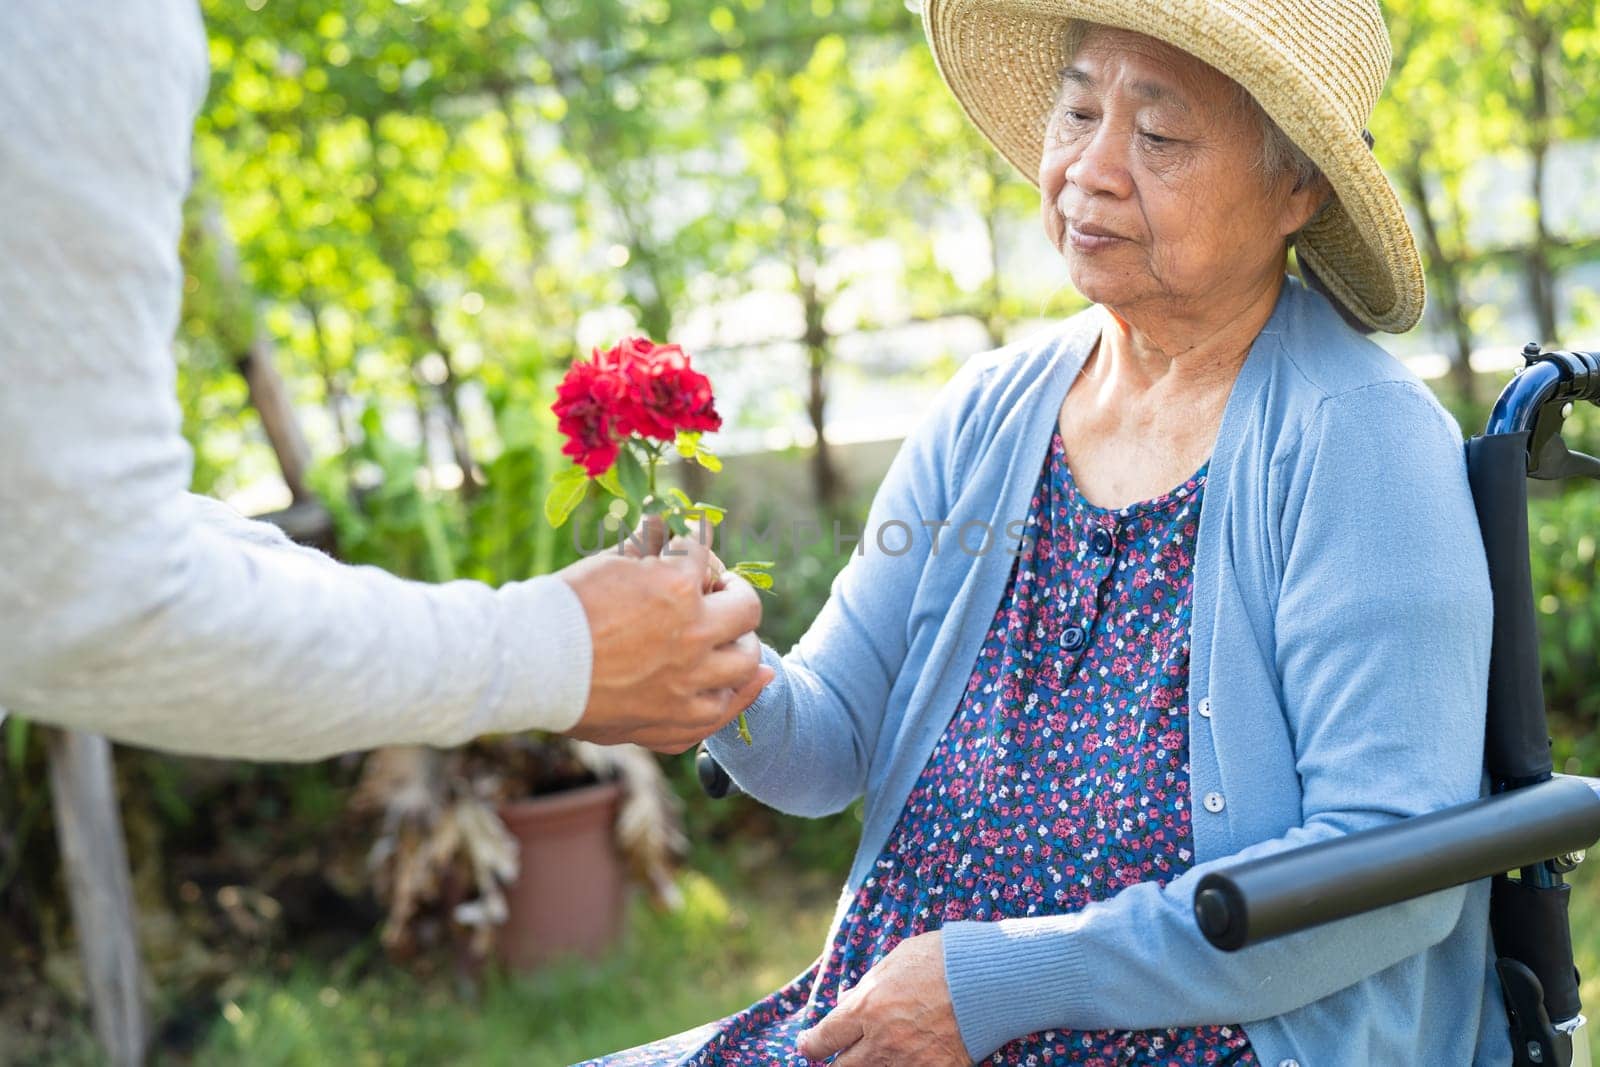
<point>1003,60</point>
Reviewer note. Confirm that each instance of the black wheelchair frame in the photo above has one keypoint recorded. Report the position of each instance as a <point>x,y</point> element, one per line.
<point>1533,822</point>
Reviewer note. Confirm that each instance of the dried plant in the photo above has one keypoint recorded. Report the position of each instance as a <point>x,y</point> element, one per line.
<point>443,858</point>
<point>650,824</point>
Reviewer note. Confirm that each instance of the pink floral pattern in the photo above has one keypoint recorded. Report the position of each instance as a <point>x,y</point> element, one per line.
<point>1062,779</point>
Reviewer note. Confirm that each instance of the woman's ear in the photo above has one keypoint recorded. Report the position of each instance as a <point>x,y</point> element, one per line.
<point>1305,202</point>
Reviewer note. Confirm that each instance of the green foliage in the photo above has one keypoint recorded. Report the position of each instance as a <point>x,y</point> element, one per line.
<point>16,741</point>
<point>1566,584</point>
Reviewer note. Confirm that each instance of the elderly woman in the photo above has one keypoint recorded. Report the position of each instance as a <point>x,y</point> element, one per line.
<point>1248,609</point>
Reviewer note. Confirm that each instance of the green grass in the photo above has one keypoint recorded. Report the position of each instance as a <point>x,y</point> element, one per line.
<point>1585,915</point>
<point>722,952</point>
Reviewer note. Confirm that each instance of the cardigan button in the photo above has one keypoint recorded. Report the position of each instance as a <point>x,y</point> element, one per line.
<point>1205,707</point>
<point>1214,802</point>
<point>1102,541</point>
<point>1072,638</point>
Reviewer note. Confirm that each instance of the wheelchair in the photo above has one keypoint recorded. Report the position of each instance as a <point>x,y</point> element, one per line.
<point>1532,828</point>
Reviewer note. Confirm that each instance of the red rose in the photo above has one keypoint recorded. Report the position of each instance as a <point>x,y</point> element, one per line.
<point>586,406</point>
<point>634,387</point>
<point>665,395</point>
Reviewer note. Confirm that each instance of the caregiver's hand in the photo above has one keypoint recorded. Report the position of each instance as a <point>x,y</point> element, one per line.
<point>673,663</point>
<point>899,1013</point>
<point>649,538</point>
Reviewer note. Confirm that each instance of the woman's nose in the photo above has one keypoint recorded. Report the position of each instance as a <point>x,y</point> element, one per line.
<point>1102,164</point>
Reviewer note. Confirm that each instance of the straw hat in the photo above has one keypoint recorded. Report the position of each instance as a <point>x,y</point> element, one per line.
<point>1315,66</point>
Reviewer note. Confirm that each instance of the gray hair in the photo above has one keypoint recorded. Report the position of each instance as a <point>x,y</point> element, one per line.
<point>1280,157</point>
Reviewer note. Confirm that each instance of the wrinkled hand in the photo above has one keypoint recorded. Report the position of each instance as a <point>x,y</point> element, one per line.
<point>675,655</point>
<point>899,1013</point>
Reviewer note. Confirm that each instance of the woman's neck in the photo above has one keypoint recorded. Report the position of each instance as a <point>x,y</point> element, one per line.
<point>1141,351</point>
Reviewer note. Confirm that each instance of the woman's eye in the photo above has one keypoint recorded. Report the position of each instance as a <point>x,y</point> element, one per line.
<point>1155,140</point>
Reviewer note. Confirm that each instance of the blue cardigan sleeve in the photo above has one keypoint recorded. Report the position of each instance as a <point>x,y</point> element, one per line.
<point>1382,644</point>
<point>825,708</point>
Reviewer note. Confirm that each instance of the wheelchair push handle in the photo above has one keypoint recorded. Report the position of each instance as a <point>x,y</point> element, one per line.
<point>1537,403</point>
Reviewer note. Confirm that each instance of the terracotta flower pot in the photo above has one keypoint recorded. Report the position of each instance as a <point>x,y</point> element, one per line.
<point>568,896</point>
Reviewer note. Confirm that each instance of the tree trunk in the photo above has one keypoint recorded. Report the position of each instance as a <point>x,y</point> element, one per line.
<point>270,398</point>
<point>825,478</point>
<point>333,393</point>
<point>256,360</point>
<point>449,393</point>
<point>419,308</point>
<point>805,256</point>
<point>1539,39</point>
<point>532,233</point>
<point>1446,277</point>
<point>1541,273</point>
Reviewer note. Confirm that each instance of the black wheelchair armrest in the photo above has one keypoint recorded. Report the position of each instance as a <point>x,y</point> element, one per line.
<point>1256,900</point>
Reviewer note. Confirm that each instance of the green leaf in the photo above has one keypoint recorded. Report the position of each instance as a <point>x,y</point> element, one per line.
<point>16,743</point>
<point>608,481</point>
<point>680,498</point>
<point>707,460</point>
<point>631,475</point>
<point>754,573</point>
<point>567,490</point>
<point>713,514</point>
<point>687,444</point>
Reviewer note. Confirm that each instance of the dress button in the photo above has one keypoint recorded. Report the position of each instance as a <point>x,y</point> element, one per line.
<point>1102,541</point>
<point>1072,638</point>
<point>1205,708</point>
<point>1214,802</point>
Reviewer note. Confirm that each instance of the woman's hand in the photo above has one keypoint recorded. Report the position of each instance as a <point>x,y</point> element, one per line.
<point>899,1013</point>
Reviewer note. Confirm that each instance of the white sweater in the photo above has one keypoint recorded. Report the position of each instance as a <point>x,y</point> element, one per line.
<point>128,606</point>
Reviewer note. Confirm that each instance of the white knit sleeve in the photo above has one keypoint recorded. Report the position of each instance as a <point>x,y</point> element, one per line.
<point>126,608</point>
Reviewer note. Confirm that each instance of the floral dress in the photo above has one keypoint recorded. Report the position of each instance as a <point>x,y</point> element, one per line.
<point>1062,778</point>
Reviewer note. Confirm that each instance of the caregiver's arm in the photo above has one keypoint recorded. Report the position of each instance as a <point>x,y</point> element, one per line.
<point>823,711</point>
<point>1383,644</point>
<point>127,607</point>
<point>227,521</point>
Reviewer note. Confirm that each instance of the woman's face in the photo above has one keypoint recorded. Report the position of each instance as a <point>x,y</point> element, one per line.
<point>1150,182</point>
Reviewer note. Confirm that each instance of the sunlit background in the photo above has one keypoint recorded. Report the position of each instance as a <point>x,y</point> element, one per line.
<point>407,219</point>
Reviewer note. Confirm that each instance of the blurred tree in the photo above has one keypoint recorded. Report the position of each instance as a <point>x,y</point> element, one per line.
<point>1420,131</point>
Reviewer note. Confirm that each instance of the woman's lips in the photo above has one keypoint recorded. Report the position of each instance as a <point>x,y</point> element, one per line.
<point>1087,237</point>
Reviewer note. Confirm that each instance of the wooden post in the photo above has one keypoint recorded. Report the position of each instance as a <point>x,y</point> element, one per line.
<point>94,860</point>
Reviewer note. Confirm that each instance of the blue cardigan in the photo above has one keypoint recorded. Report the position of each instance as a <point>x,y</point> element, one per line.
<point>1339,657</point>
